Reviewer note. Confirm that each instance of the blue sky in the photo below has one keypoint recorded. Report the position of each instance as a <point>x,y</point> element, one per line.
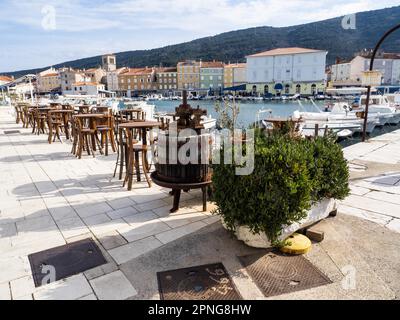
<point>38,33</point>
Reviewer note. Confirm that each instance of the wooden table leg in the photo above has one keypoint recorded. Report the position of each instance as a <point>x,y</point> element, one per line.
<point>144,137</point>
<point>177,198</point>
<point>66,125</point>
<point>204,190</point>
<point>130,171</point>
<point>50,131</point>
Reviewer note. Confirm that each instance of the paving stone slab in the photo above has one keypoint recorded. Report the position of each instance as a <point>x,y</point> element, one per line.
<point>69,289</point>
<point>135,249</point>
<point>394,225</point>
<point>381,207</point>
<point>5,291</point>
<point>113,286</point>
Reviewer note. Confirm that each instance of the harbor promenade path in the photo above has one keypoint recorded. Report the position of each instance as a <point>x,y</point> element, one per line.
<point>49,198</point>
<point>375,180</point>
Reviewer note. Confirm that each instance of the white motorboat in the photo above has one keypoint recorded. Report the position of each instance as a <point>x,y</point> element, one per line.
<point>342,130</point>
<point>336,121</point>
<point>381,105</point>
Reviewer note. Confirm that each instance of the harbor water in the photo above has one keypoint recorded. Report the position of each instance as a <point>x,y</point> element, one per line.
<point>248,109</point>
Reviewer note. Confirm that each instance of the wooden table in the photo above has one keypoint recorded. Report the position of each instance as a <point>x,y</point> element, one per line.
<point>140,125</point>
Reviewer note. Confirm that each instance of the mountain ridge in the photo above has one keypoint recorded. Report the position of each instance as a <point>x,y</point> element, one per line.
<point>235,45</point>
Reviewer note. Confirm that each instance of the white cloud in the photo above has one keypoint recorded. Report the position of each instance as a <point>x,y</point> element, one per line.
<point>203,16</point>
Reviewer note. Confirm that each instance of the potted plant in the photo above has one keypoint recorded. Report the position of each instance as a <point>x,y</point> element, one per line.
<point>295,183</point>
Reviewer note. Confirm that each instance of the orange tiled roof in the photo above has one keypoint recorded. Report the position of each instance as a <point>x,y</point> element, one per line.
<point>212,64</point>
<point>5,78</point>
<point>85,84</point>
<point>50,75</point>
<point>188,63</point>
<point>236,65</point>
<point>137,71</point>
<point>284,51</point>
<point>172,69</point>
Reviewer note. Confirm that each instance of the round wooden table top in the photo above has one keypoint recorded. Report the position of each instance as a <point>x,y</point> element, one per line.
<point>91,115</point>
<point>62,111</point>
<point>140,124</point>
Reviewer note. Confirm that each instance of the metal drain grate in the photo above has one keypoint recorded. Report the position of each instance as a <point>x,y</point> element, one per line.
<point>62,262</point>
<point>209,282</point>
<point>12,132</point>
<point>276,274</point>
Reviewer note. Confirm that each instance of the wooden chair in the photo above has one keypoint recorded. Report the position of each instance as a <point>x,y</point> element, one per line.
<point>85,139</point>
<point>27,119</point>
<point>40,120</point>
<point>106,131</point>
<point>19,114</point>
<point>83,109</point>
<point>56,125</point>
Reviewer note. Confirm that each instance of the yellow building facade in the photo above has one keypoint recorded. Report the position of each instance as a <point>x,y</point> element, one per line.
<point>281,88</point>
<point>188,73</point>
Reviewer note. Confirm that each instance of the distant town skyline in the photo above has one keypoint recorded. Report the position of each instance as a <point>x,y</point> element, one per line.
<point>40,33</point>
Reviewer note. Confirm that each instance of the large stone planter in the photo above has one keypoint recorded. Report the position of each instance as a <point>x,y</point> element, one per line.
<point>317,213</point>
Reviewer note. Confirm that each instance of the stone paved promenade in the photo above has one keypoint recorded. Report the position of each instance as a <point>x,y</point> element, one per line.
<point>375,180</point>
<point>49,198</point>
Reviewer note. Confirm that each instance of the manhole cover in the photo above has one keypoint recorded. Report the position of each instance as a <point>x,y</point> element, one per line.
<point>209,282</point>
<point>277,274</point>
<point>12,132</point>
<point>62,262</point>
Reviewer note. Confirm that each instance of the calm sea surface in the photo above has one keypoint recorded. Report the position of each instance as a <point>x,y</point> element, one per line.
<point>248,113</point>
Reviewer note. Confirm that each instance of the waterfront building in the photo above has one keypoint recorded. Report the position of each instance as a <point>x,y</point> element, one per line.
<point>87,88</point>
<point>349,74</point>
<point>5,80</point>
<point>112,79</point>
<point>167,80</point>
<point>137,81</point>
<point>96,75</point>
<point>48,81</point>
<point>212,77</point>
<point>287,71</point>
<point>188,75</point>
<point>69,76</point>
<point>235,74</point>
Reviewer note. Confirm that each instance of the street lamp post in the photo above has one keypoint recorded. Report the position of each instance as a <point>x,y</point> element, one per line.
<point>371,68</point>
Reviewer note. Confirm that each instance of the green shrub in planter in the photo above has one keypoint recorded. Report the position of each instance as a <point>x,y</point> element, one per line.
<point>289,176</point>
<point>328,169</point>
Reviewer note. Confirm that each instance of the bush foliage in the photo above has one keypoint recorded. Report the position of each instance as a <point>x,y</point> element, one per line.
<point>290,175</point>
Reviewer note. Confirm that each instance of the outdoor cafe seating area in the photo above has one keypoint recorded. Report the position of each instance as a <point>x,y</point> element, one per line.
<point>96,130</point>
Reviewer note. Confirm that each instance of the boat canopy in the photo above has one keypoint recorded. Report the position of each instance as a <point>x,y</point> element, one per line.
<point>279,86</point>
<point>241,87</point>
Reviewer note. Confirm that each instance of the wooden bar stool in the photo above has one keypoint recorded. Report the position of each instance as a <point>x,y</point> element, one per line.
<point>106,130</point>
<point>135,152</point>
<point>19,113</point>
